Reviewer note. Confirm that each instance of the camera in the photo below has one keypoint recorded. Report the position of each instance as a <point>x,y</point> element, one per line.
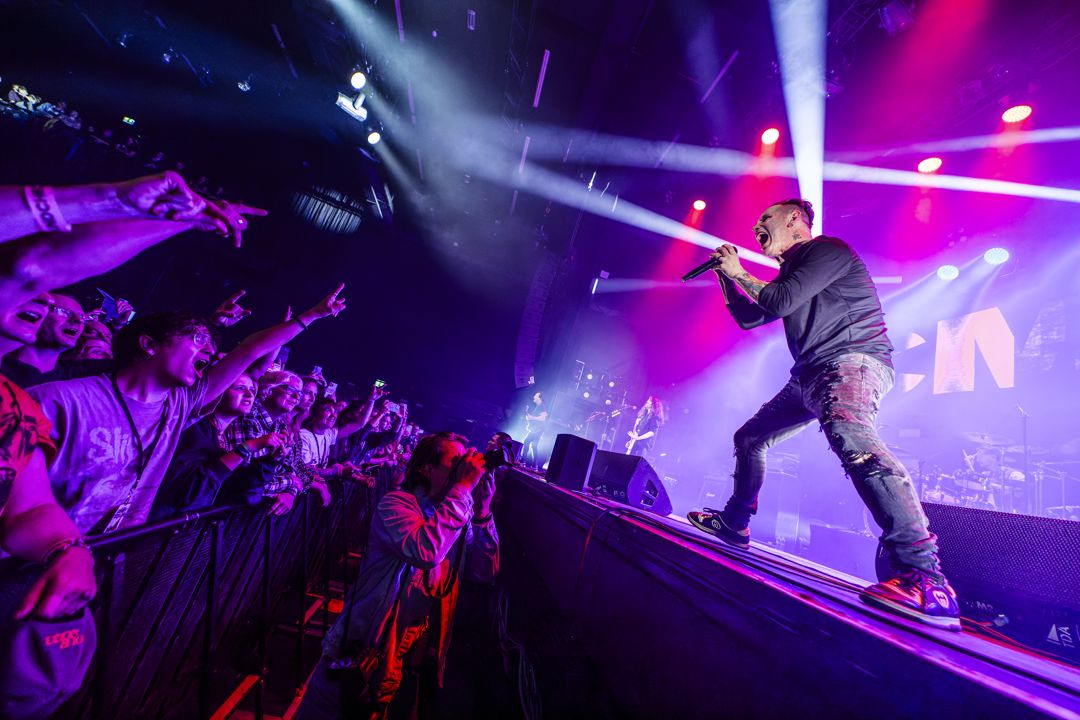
<point>497,458</point>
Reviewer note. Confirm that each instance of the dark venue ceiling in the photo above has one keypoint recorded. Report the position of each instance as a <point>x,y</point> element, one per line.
<point>442,259</point>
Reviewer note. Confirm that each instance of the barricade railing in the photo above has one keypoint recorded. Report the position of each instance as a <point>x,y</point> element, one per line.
<point>186,606</point>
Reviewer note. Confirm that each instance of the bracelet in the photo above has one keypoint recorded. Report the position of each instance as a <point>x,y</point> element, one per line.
<point>62,546</point>
<point>300,322</point>
<point>41,199</point>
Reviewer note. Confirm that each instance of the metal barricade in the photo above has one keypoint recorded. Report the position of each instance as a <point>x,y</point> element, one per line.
<point>186,606</point>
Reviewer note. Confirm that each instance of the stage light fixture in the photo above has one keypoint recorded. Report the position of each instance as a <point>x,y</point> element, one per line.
<point>699,205</point>
<point>611,383</point>
<point>374,137</point>
<point>1017,113</point>
<point>996,256</point>
<point>608,401</point>
<point>358,80</point>
<point>589,376</point>
<point>948,272</point>
<point>585,394</point>
<point>896,16</point>
<point>770,136</point>
<point>353,106</point>
<point>929,165</point>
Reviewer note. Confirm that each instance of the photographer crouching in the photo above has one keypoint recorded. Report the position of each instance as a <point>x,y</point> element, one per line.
<point>425,538</point>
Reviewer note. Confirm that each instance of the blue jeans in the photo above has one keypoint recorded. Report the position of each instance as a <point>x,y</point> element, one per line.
<point>843,396</point>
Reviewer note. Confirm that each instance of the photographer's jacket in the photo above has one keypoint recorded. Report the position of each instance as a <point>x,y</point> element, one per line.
<point>416,558</point>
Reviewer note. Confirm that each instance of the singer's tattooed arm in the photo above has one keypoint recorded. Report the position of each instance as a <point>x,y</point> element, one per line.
<point>750,284</point>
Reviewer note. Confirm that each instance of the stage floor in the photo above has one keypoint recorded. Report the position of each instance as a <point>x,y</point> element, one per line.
<point>760,610</point>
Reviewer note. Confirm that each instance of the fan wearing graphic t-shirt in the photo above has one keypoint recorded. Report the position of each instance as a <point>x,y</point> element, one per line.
<point>316,439</point>
<point>117,433</point>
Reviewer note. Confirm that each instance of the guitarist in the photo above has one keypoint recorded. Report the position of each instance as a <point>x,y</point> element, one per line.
<point>649,419</point>
<point>536,417</point>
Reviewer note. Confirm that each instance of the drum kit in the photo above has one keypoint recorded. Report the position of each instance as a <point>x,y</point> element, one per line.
<point>1002,475</point>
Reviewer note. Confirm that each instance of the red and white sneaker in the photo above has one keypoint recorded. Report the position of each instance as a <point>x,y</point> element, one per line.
<point>919,595</point>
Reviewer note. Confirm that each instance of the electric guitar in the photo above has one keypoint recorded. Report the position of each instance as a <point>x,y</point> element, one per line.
<point>535,422</point>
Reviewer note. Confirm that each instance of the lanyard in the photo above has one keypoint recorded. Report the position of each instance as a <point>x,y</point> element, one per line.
<point>324,452</point>
<point>144,453</point>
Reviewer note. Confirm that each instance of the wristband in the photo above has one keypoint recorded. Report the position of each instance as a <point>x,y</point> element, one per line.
<point>244,452</point>
<point>481,520</point>
<point>46,211</point>
<point>62,546</point>
<point>300,322</point>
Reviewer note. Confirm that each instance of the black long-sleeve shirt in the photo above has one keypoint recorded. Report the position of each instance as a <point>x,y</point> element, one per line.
<point>197,478</point>
<point>827,301</point>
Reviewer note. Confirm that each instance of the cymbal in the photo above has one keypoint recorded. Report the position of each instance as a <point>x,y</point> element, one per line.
<point>1070,447</point>
<point>1032,450</point>
<point>983,438</point>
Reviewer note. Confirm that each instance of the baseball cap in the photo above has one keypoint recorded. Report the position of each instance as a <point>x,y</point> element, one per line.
<point>42,662</point>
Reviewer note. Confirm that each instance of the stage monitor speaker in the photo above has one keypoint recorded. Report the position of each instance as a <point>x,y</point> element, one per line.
<point>629,479</point>
<point>571,462</point>
<point>1021,571</point>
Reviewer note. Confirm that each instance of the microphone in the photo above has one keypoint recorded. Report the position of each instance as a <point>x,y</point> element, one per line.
<point>701,269</point>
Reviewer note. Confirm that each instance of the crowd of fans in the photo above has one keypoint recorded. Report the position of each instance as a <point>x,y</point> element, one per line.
<point>110,418</point>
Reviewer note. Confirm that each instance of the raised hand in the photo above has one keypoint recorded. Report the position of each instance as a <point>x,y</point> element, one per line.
<point>226,218</point>
<point>728,257</point>
<point>330,305</point>
<point>162,197</point>
<point>469,468</point>
<point>482,494</point>
<point>230,312</point>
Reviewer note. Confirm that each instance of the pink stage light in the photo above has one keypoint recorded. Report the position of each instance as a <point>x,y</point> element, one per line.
<point>699,205</point>
<point>1017,113</point>
<point>770,136</point>
<point>929,165</point>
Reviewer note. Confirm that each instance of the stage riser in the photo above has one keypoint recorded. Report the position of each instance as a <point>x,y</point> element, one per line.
<point>674,631</point>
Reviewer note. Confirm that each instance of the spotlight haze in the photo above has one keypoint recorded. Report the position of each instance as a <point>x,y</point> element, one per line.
<point>996,256</point>
<point>948,272</point>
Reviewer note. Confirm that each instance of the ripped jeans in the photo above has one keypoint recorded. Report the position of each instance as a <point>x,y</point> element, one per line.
<point>843,396</point>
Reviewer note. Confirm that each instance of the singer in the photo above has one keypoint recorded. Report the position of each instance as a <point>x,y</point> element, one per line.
<point>843,367</point>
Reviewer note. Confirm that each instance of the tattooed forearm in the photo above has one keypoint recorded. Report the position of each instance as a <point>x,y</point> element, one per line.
<point>750,284</point>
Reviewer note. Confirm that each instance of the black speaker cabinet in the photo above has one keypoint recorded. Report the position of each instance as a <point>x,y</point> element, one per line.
<point>629,479</point>
<point>1021,571</point>
<point>571,462</point>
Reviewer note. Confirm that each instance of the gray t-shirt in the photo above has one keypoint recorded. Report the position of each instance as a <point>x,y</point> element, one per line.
<point>94,473</point>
